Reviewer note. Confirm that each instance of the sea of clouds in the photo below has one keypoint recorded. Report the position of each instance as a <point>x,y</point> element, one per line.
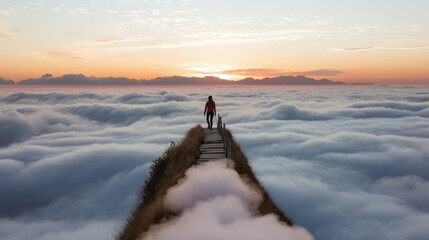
<point>347,162</point>
<point>213,202</point>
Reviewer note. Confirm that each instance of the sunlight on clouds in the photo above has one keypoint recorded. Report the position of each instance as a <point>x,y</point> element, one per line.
<point>207,69</point>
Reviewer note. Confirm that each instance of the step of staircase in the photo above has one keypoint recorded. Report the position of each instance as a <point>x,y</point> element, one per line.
<point>213,146</point>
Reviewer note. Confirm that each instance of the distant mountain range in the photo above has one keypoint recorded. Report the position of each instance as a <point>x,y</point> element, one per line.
<point>80,79</point>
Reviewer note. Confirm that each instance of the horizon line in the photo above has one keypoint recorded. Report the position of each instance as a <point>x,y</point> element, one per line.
<point>82,79</point>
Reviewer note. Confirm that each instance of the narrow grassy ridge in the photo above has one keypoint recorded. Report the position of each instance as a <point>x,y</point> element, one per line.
<point>166,171</point>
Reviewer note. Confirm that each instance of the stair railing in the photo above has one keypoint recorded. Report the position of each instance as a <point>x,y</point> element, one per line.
<point>225,137</point>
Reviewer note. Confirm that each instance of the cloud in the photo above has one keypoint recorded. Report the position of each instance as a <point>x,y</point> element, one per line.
<point>288,19</point>
<point>379,48</point>
<point>4,33</point>
<point>7,12</point>
<point>62,54</point>
<point>36,185</point>
<point>356,49</point>
<point>97,167</point>
<point>107,40</point>
<point>274,72</point>
<point>123,114</point>
<point>319,72</point>
<point>25,122</point>
<point>255,72</point>
<point>234,37</point>
<point>209,181</point>
<point>227,204</point>
<point>137,98</point>
<point>79,11</point>
<point>52,97</point>
<point>10,166</point>
<point>386,110</point>
<point>52,230</point>
<point>318,21</point>
<point>392,105</point>
<point>335,159</point>
<point>17,126</point>
<point>386,154</point>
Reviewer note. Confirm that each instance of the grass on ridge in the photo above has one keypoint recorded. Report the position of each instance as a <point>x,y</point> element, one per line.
<point>164,173</point>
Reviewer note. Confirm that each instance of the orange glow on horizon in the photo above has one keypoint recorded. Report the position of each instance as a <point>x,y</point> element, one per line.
<point>387,68</point>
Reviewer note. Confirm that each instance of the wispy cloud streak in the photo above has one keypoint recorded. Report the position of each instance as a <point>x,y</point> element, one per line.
<point>357,49</point>
<point>274,72</point>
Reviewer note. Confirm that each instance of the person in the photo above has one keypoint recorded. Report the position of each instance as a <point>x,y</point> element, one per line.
<point>210,108</point>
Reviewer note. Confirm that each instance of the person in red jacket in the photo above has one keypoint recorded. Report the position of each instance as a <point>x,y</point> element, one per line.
<point>210,108</point>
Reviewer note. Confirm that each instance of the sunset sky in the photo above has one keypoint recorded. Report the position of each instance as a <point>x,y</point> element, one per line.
<point>383,41</point>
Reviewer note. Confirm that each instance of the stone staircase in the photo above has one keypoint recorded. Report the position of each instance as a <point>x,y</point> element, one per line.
<point>213,147</point>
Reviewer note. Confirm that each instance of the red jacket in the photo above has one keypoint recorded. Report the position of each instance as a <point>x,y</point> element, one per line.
<point>210,106</point>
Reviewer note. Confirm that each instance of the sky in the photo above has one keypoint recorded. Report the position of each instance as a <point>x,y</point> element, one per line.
<point>383,41</point>
<point>344,162</point>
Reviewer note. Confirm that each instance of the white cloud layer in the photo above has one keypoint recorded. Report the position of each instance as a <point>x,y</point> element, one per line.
<point>343,162</point>
<point>209,181</point>
<point>213,202</point>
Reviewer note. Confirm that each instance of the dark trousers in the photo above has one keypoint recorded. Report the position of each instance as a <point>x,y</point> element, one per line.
<point>210,123</point>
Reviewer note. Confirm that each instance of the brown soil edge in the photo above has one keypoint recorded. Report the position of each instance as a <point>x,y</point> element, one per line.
<point>177,159</point>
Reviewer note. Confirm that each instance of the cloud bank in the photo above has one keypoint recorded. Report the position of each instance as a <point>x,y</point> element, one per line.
<point>345,162</point>
<point>214,203</point>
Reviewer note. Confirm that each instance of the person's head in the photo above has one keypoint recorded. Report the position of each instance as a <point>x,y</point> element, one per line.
<point>210,98</point>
